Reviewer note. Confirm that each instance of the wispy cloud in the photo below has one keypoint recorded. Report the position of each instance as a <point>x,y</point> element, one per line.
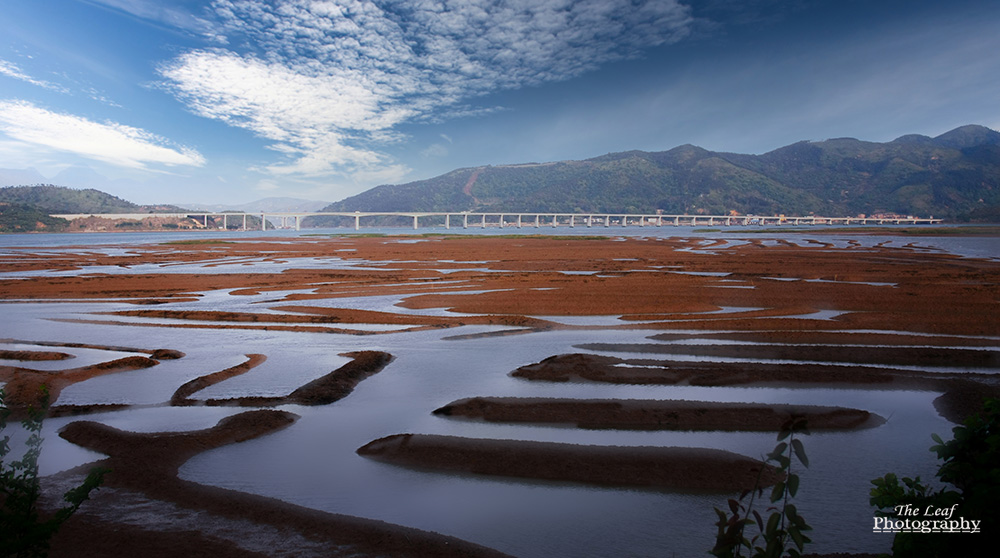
<point>328,81</point>
<point>171,14</point>
<point>10,69</point>
<point>434,150</point>
<point>109,142</point>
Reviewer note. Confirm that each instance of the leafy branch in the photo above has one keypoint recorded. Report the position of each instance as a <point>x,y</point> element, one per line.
<point>24,533</point>
<point>783,532</point>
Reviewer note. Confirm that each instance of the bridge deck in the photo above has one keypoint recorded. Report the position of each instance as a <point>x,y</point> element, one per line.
<point>522,219</point>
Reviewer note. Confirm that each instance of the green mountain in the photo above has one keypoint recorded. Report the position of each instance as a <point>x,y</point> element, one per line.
<point>953,175</point>
<point>15,217</point>
<point>58,199</point>
<point>27,208</point>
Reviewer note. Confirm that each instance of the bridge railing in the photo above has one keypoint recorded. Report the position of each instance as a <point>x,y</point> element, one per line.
<point>519,219</point>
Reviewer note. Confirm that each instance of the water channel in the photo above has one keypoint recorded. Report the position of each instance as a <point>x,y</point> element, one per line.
<point>313,463</point>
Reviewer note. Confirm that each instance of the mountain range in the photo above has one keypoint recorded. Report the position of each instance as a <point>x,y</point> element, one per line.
<point>956,174</point>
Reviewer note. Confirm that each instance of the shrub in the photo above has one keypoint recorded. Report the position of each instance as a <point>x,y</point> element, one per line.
<point>782,534</point>
<point>24,532</point>
<point>971,465</point>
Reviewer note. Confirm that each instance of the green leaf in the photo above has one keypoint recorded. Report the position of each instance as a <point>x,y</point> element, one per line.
<point>777,451</point>
<point>796,534</point>
<point>800,452</point>
<point>793,485</point>
<point>772,525</point>
<point>734,506</point>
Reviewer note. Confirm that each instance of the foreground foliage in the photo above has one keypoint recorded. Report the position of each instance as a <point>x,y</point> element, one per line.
<point>23,531</point>
<point>971,465</point>
<point>783,532</point>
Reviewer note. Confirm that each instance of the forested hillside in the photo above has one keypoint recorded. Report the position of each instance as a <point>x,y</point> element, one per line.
<point>955,175</point>
<point>16,217</point>
<point>58,199</point>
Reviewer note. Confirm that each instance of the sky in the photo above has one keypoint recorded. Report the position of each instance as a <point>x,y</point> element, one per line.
<point>230,101</point>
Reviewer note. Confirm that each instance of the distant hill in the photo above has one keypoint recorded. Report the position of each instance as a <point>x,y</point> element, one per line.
<point>953,175</point>
<point>14,177</point>
<point>15,218</point>
<point>59,199</point>
<point>27,208</point>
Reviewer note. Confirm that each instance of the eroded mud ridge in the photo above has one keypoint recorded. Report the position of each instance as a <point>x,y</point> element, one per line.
<point>656,467</point>
<point>321,391</point>
<point>674,283</point>
<point>616,370</point>
<point>755,312</point>
<point>167,516</point>
<point>27,387</point>
<point>630,414</point>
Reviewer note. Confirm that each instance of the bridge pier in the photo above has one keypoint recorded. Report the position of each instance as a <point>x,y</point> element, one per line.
<point>556,219</point>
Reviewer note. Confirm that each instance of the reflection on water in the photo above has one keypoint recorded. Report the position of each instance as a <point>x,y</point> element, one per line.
<point>313,463</point>
<point>976,247</point>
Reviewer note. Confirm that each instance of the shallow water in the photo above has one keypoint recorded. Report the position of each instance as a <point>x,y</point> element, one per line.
<point>313,462</point>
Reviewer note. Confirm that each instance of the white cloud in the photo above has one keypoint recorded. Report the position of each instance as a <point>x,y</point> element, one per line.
<point>167,13</point>
<point>110,142</point>
<point>329,80</point>
<point>267,185</point>
<point>386,174</point>
<point>434,150</point>
<point>10,69</point>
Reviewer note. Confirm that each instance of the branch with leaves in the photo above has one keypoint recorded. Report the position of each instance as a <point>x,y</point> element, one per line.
<point>24,533</point>
<point>783,532</point>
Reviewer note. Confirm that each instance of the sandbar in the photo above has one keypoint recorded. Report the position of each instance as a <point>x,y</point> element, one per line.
<point>675,468</point>
<point>631,414</point>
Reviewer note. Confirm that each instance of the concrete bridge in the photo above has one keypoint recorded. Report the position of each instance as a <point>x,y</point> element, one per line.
<point>467,219</point>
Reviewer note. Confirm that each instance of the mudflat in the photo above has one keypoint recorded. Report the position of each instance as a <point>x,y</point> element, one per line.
<point>805,313</point>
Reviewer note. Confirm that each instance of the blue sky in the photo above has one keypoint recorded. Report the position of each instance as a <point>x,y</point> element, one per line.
<point>233,100</point>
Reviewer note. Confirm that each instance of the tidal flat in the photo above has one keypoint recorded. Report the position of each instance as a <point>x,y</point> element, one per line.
<point>231,384</point>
